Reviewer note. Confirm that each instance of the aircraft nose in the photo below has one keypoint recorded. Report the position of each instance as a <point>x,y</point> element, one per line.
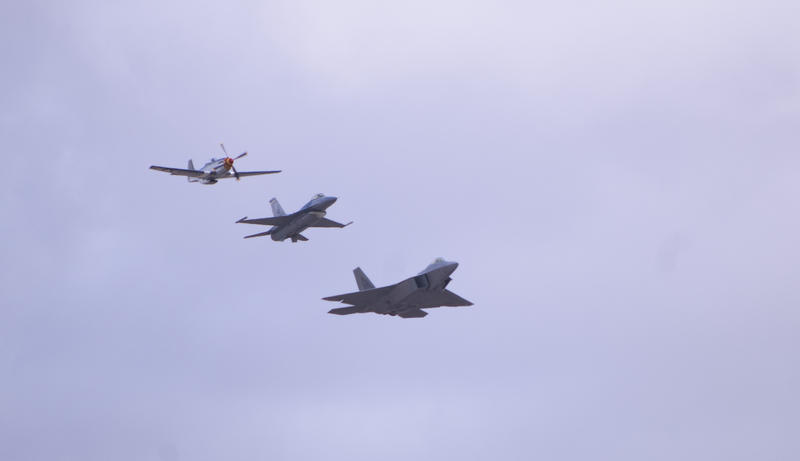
<point>328,201</point>
<point>452,267</point>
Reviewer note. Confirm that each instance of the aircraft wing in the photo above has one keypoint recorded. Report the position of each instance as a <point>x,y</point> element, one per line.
<point>438,298</point>
<point>325,222</point>
<point>248,173</point>
<point>273,221</point>
<point>179,171</point>
<point>361,298</point>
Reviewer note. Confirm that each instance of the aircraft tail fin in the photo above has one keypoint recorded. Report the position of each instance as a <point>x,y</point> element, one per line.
<point>277,209</point>
<point>363,282</point>
<point>190,166</point>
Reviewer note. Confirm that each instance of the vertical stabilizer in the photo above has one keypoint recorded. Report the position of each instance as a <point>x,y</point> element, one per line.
<point>190,166</point>
<point>277,209</point>
<point>362,280</point>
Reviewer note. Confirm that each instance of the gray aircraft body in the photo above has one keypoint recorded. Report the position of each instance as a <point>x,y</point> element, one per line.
<point>405,299</point>
<point>290,226</point>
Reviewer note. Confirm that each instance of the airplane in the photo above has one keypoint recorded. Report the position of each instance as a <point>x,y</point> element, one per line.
<point>405,299</point>
<point>217,168</point>
<point>284,226</point>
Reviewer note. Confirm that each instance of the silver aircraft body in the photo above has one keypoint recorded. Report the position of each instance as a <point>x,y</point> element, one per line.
<point>405,299</point>
<point>215,169</point>
<point>290,226</point>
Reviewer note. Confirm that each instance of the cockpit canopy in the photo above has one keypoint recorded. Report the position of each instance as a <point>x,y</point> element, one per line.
<point>438,262</point>
<point>311,202</point>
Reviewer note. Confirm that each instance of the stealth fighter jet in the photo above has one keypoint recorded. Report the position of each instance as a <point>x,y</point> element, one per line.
<point>407,298</point>
<point>289,226</point>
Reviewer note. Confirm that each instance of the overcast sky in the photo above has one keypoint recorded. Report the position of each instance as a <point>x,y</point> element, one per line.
<point>618,180</point>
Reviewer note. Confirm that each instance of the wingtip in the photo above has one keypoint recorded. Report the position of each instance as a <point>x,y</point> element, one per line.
<point>241,220</point>
<point>351,222</point>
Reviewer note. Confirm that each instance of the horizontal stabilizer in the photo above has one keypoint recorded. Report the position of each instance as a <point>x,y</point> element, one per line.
<point>362,298</point>
<point>260,234</point>
<point>345,310</point>
<point>273,221</point>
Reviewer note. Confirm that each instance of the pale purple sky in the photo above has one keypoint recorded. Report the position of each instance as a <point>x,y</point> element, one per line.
<point>618,180</point>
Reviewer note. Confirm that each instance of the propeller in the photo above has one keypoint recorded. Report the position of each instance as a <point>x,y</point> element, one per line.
<point>229,161</point>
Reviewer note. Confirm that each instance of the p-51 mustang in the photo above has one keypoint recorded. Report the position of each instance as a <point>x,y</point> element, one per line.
<point>405,299</point>
<point>217,168</point>
<point>289,226</point>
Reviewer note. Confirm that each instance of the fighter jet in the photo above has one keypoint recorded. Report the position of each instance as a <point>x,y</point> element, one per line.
<point>289,226</point>
<point>407,298</point>
<point>217,168</point>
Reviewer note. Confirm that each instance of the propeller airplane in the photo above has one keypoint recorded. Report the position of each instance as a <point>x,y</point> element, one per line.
<point>215,169</point>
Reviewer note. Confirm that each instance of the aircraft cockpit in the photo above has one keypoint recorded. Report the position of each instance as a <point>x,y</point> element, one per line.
<point>315,197</point>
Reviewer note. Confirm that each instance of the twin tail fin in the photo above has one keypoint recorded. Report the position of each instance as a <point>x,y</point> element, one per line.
<point>363,282</point>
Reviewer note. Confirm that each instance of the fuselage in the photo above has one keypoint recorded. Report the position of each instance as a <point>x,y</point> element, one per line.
<point>410,293</point>
<point>216,168</point>
<point>306,217</point>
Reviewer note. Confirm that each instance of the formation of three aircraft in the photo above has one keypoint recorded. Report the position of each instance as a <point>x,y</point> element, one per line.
<point>405,299</point>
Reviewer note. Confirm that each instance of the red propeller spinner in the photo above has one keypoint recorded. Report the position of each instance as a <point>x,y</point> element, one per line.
<point>229,161</point>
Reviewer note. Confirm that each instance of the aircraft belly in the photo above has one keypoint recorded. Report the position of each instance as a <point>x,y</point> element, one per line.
<point>298,225</point>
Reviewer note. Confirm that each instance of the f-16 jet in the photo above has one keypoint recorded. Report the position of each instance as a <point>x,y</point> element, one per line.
<point>405,299</point>
<point>284,226</point>
<point>216,168</point>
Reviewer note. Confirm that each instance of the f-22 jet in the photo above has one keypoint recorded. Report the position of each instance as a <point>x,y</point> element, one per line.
<point>289,226</point>
<point>216,168</point>
<point>405,299</point>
